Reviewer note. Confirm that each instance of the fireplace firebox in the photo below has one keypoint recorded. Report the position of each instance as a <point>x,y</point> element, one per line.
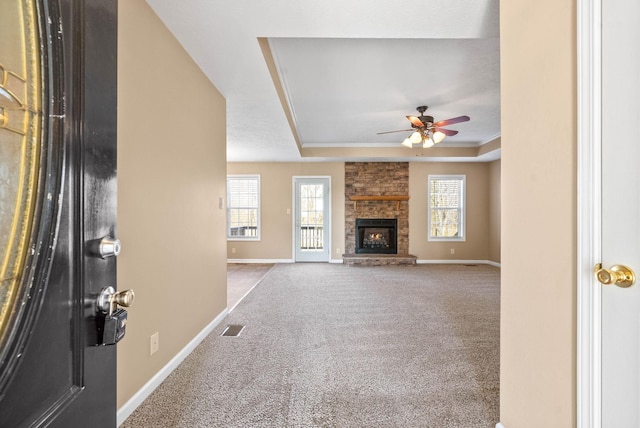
<point>376,236</point>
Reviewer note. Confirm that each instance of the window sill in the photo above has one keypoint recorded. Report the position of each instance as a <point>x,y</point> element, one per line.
<point>447,239</point>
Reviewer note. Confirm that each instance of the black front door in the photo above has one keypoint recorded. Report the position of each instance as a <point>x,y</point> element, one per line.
<point>57,200</point>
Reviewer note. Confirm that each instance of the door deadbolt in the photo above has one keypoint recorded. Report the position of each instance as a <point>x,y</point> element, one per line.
<point>109,247</point>
<point>619,275</point>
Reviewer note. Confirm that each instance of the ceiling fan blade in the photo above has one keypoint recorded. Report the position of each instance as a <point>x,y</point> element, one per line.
<point>391,132</point>
<point>452,121</point>
<point>448,132</point>
<point>415,121</point>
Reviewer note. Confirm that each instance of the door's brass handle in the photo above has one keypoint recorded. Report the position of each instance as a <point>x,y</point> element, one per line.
<point>109,299</point>
<point>124,298</point>
<point>619,275</point>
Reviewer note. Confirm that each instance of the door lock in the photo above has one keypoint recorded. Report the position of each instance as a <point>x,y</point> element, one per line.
<point>115,320</point>
<point>109,247</point>
<point>619,275</point>
<point>104,247</point>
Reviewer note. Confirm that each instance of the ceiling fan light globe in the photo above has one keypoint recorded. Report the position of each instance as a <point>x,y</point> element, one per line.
<point>407,143</point>
<point>428,142</point>
<point>415,138</point>
<point>438,137</point>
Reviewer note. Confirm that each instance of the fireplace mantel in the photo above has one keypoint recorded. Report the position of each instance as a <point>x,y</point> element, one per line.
<point>356,198</point>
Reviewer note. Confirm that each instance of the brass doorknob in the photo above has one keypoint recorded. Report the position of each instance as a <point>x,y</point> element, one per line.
<point>124,298</point>
<point>619,275</point>
<point>109,299</point>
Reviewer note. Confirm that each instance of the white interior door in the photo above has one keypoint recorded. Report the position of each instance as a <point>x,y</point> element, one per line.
<point>620,211</point>
<point>311,222</point>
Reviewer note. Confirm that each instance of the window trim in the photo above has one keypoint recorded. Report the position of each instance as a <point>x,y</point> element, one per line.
<point>259,209</point>
<point>462,229</point>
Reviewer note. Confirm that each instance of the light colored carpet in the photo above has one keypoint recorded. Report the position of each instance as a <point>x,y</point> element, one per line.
<point>329,345</point>
<point>241,278</point>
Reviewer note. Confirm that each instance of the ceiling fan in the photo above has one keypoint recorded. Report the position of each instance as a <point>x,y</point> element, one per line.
<point>426,131</point>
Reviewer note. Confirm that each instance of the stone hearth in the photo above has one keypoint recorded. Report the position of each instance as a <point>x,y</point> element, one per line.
<point>378,259</point>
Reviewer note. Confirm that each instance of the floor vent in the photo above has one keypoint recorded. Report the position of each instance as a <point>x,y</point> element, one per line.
<point>233,330</point>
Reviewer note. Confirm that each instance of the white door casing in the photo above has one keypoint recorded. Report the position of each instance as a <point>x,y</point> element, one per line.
<point>588,207</point>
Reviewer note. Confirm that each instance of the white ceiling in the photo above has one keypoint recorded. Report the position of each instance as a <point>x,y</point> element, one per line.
<point>317,80</point>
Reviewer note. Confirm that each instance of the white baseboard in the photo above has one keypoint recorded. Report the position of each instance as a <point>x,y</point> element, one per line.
<point>259,260</point>
<point>127,408</point>
<point>458,262</point>
<point>441,262</point>
<point>272,261</point>
<point>499,425</point>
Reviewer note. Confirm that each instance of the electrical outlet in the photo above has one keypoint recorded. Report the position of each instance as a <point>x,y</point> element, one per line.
<point>233,250</point>
<point>289,211</point>
<point>154,343</point>
<point>337,250</point>
<point>453,251</point>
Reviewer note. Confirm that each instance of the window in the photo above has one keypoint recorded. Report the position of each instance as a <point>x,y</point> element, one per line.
<point>446,207</point>
<point>243,207</point>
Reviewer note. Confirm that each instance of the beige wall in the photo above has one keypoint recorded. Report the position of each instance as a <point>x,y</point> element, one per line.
<point>475,247</point>
<point>171,172</point>
<point>276,180</point>
<point>538,103</point>
<point>494,210</point>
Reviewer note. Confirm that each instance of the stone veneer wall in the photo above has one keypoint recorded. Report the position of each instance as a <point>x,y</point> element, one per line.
<point>376,179</point>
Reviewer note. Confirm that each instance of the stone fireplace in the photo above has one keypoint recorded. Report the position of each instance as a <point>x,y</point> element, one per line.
<point>376,191</point>
<point>376,236</point>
